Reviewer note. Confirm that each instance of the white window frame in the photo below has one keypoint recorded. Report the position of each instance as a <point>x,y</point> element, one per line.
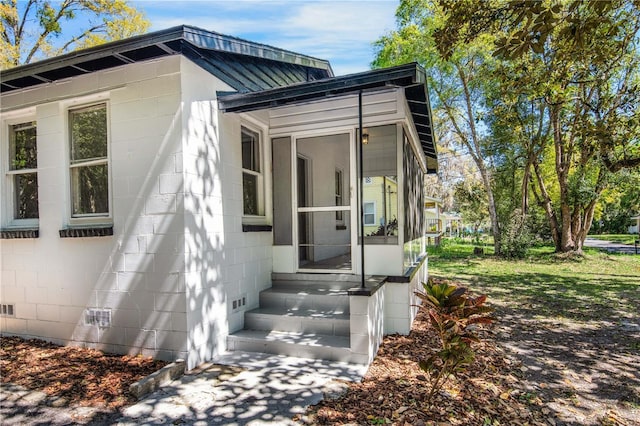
<point>8,189</point>
<point>260,176</point>
<point>375,219</point>
<point>90,218</point>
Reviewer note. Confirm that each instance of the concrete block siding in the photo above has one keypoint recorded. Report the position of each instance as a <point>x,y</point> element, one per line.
<point>178,254</point>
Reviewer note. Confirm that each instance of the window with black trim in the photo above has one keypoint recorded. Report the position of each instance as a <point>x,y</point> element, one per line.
<point>252,174</point>
<point>23,170</point>
<point>89,161</point>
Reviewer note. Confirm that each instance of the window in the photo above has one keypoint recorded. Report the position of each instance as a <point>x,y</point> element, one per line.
<point>23,174</point>
<point>339,192</point>
<point>252,186</point>
<point>369,208</point>
<point>89,162</point>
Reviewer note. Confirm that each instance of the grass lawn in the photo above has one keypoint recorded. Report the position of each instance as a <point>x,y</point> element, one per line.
<point>616,238</point>
<point>547,285</point>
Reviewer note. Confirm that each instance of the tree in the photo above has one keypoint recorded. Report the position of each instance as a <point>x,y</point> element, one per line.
<point>579,61</point>
<point>33,29</point>
<point>457,82</point>
<point>471,201</point>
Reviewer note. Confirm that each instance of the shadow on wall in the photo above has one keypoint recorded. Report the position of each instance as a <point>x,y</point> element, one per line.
<point>162,278</point>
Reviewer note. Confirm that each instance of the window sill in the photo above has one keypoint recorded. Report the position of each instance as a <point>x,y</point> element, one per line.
<point>15,233</point>
<point>256,228</point>
<point>86,231</point>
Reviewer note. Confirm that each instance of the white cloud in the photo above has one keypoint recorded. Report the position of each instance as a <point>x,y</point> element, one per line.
<point>340,31</point>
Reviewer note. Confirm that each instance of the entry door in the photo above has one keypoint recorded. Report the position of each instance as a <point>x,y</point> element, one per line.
<point>323,205</point>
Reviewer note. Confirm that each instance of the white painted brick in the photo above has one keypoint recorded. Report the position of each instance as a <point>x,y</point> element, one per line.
<point>7,278</point>
<point>36,295</point>
<point>112,336</point>
<point>26,310</point>
<point>138,262</point>
<point>163,243</point>
<point>172,340</point>
<point>156,320</point>
<point>72,314</point>
<point>168,262</point>
<point>59,296</point>
<point>140,338</point>
<point>168,224</point>
<point>111,78</point>
<point>13,325</point>
<point>26,278</point>
<point>123,300</point>
<point>86,333</point>
<point>11,294</point>
<point>48,312</point>
<point>179,321</point>
<point>129,318</point>
<point>165,282</point>
<point>360,343</point>
<point>130,281</point>
<point>359,324</point>
<point>171,183</point>
<point>170,302</point>
<point>358,305</point>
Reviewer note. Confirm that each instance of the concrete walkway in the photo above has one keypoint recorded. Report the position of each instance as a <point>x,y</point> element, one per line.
<point>253,389</point>
<point>609,246</point>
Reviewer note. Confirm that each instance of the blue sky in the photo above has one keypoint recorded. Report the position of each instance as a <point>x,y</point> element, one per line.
<point>340,31</point>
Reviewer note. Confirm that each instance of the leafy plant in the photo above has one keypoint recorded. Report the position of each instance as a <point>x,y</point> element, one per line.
<point>452,313</point>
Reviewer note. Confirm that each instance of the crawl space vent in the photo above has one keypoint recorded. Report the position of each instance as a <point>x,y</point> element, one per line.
<point>99,317</point>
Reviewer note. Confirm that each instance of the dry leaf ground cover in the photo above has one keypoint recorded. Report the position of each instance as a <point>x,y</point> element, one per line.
<point>565,349</point>
<point>72,376</point>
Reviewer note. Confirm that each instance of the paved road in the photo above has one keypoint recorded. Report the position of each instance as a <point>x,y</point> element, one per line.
<point>609,246</point>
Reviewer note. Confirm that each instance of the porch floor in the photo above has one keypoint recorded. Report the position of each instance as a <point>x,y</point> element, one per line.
<point>338,263</point>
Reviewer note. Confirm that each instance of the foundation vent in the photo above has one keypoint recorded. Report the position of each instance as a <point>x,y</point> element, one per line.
<point>99,317</point>
<point>7,310</point>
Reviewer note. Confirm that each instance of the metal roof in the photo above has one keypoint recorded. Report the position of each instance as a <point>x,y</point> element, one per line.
<point>244,65</point>
<point>262,76</point>
<point>410,77</point>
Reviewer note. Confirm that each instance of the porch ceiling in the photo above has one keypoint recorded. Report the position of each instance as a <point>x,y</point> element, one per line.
<point>410,77</point>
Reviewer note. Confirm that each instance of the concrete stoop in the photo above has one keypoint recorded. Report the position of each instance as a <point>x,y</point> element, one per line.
<point>301,315</point>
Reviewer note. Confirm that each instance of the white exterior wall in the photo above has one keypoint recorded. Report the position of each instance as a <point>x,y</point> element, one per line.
<point>222,263</point>
<point>138,272</point>
<point>401,303</point>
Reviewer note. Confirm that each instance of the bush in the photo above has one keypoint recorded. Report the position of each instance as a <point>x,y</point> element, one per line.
<point>517,237</point>
<point>451,313</point>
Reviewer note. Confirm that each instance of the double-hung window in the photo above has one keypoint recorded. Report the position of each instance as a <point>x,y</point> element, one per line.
<point>369,213</point>
<point>23,171</point>
<point>252,177</point>
<point>89,162</point>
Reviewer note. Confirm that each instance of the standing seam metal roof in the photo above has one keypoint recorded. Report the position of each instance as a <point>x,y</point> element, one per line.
<point>244,65</point>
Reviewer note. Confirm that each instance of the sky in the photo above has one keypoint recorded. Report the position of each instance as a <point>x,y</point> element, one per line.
<point>342,32</point>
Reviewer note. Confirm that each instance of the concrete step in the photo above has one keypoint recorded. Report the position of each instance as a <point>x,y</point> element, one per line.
<point>302,345</point>
<point>330,322</point>
<point>304,297</point>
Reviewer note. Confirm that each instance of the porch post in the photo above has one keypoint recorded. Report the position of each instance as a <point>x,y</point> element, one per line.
<point>361,193</point>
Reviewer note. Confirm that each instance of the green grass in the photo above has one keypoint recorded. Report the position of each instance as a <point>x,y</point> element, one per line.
<point>616,238</point>
<point>595,287</point>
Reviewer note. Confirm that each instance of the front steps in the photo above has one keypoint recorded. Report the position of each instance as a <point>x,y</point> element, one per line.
<point>301,315</point>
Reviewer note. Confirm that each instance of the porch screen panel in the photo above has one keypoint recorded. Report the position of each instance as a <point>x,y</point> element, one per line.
<point>413,195</point>
<point>380,188</point>
<point>282,203</point>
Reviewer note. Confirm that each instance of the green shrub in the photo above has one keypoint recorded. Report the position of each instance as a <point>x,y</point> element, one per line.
<point>451,313</point>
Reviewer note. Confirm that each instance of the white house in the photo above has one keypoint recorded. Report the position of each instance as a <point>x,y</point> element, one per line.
<point>184,192</point>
